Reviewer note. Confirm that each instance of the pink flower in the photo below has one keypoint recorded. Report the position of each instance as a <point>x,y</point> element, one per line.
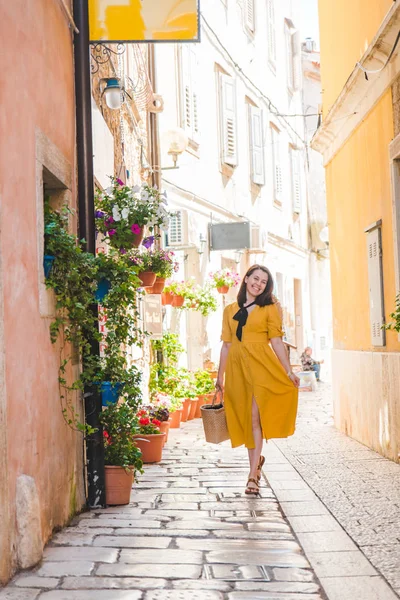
<point>119,181</point>
<point>136,229</point>
<point>112,232</point>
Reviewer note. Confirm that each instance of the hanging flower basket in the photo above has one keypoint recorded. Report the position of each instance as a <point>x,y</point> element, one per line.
<point>103,288</point>
<point>147,278</point>
<point>177,301</point>
<point>110,392</point>
<point>223,289</point>
<point>48,262</point>
<point>137,238</point>
<point>166,298</point>
<point>159,285</point>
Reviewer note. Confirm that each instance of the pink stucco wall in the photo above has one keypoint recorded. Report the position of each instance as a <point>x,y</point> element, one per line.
<point>37,59</point>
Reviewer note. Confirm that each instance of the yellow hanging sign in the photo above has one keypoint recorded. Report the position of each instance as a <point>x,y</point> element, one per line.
<point>143,20</point>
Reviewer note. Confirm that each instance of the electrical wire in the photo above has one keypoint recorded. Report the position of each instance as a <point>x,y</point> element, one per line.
<point>372,72</point>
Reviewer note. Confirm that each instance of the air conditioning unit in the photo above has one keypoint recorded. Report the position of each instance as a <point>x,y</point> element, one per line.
<point>177,234</point>
<point>258,238</point>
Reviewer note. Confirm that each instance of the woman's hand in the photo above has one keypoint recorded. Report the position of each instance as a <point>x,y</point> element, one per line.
<point>294,379</point>
<point>219,384</point>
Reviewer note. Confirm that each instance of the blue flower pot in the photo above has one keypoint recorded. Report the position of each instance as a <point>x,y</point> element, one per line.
<point>103,288</point>
<point>48,261</point>
<point>110,392</point>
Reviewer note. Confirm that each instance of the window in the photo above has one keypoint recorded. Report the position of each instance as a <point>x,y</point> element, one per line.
<point>188,91</point>
<point>375,277</point>
<point>249,15</point>
<point>293,56</point>
<point>271,32</point>
<point>296,179</point>
<point>228,119</point>
<point>256,145</point>
<point>276,164</point>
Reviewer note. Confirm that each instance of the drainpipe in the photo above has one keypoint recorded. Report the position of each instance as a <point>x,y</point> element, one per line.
<point>153,123</point>
<point>94,443</point>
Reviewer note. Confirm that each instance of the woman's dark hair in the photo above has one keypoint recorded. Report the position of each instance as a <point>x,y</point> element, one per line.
<point>263,299</point>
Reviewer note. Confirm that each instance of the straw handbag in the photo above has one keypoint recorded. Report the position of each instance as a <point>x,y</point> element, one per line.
<point>214,421</point>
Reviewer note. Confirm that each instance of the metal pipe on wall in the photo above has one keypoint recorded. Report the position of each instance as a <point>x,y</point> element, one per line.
<point>83,95</point>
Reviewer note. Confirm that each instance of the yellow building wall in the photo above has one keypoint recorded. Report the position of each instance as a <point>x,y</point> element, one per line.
<point>359,193</point>
<point>346,30</point>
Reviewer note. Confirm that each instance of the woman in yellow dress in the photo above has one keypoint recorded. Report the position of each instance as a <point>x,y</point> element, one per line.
<point>260,390</point>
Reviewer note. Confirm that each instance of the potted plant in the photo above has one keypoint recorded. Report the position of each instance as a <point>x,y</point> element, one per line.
<point>205,389</point>
<point>122,458</point>
<point>203,300</point>
<point>149,438</point>
<point>114,271</point>
<point>122,213</point>
<point>162,263</point>
<point>167,293</point>
<point>224,279</point>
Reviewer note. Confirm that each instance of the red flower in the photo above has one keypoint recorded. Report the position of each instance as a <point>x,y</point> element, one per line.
<point>144,421</point>
<point>156,422</point>
<point>141,413</point>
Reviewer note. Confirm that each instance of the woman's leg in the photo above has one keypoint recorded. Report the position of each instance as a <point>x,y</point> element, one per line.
<point>255,453</point>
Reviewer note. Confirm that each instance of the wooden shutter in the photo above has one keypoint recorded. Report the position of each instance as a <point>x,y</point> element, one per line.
<point>228,120</point>
<point>249,14</point>
<point>296,180</point>
<point>189,100</point>
<point>276,153</point>
<point>296,59</point>
<point>375,276</point>
<point>256,145</point>
<point>271,31</point>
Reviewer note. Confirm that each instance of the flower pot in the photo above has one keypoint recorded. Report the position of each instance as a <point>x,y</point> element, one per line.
<point>185,410</point>
<point>192,410</point>
<point>164,428</point>
<point>166,298</point>
<point>110,392</point>
<point>175,419</point>
<point>151,446</point>
<point>137,238</point>
<point>149,289</point>
<point>199,404</point>
<point>118,485</point>
<point>208,398</point>
<point>103,287</point>
<point>224,289</point>
<point>159,285</point>
<point>177,301</point>
<point>48,262</point>
<point>147,278</point>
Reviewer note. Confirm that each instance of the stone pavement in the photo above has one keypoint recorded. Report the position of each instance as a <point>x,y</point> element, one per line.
<point>359,488</point>
<point>191,534</point>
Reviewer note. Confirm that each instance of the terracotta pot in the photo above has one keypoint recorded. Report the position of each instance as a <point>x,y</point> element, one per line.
<point>185,410</point>
<point>147,278</point>
<point>166,298</point>
<point>177,301</point>
<point>149,289</point>
<point>223,289</point>
<point>175,419</point>
<point>164,428</point>
<point>137,238</point>
<point>199,404</point>
<point>192,411</point>
<point>159,285</point>
<point>213,374</point>
<point>118,485</point>
<point>208,398</point>
<point>151,446</point>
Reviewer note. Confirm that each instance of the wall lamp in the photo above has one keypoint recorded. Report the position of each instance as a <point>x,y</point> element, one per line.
<point>202,244</point>
<point>113,92</point>
<point>177,141</point>
<point>238,256</point>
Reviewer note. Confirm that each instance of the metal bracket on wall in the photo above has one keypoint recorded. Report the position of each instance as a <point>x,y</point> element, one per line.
<point>100,54</point>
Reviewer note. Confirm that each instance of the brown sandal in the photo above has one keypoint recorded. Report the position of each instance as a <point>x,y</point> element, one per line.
<point>252,491</point>
<point>260,466</point>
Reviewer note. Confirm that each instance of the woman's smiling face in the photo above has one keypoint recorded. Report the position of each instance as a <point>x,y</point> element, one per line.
<point>256,282</point>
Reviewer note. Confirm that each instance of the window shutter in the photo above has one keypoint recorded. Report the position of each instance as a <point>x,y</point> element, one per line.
<point>296,59</point>
<point>175,230</point>
<point>194,98</point>
<point>375,276</point>
<point>189,100</point>
<point>276,152</point>
<point>289,58</point>
<point>228,120</point>
<point>296,181</point>
<point>249,16</point>
<point>271,31</point>
<point>256,145</point>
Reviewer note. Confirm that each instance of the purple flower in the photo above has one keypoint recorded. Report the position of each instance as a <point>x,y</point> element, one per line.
<point>109,221</point>
<point>112,232</point>
<point>99,214</point>
<point>136,229</point>
<point>148,242</point>
<point>122,250</point>
<point>119,181</point>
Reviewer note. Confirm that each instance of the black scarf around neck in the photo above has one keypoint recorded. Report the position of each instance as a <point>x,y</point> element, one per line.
<point>241,317</point>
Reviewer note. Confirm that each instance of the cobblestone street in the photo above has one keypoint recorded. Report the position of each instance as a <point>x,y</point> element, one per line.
<point>190,533</point>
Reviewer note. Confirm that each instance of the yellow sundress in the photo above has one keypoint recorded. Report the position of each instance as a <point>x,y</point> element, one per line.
<point>253,369</point>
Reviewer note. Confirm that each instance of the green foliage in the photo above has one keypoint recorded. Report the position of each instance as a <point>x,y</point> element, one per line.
<point>170,347</point>
<point>395,324</point>
<point>120,424</point>
<point>176,383</point>
<point>203,382</point>
<point>197,297</point>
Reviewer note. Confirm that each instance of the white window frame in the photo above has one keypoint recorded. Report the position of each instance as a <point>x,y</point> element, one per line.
<point>188,91</point>
<point>276,164</point>
<point>228,120</point>
<point>271,33</point>
<point>293,56</point>
<point>249,14</point>
<point>256,142</point>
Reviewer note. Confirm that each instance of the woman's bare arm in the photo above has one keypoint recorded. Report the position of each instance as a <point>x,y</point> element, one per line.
<point>222,365</point>
<point>280,350</point>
